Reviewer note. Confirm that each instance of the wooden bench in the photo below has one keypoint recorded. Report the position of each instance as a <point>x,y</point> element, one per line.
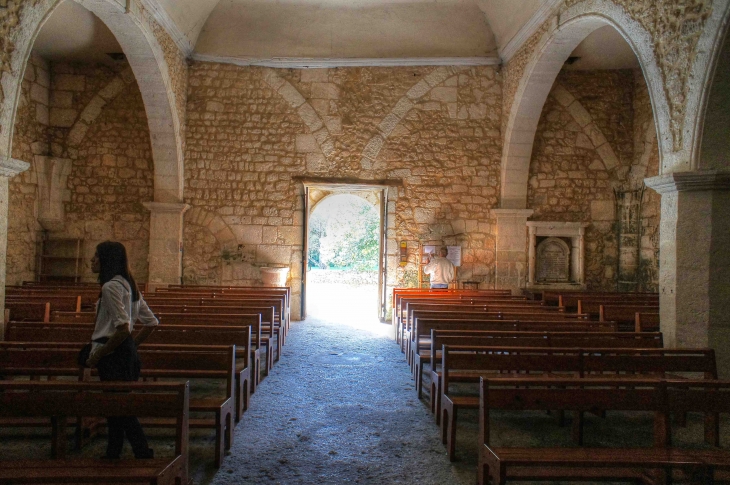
<point>241,304</point>
<point>58,400</point>
<point>499,464</point>
<point>172,362</point>
<point>469,363</point>
<point>422,332</point>
<point>280,294</point>
<point>646,322</point>
<point>585,340</point>
<point>223,315</point>
<point>28,334</point>
<point>260,343</point>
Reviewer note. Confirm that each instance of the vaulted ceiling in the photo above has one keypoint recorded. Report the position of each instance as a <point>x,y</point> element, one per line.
<point>330,29</point>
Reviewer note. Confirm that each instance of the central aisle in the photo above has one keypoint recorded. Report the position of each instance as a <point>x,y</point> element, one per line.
<point>339,407</point>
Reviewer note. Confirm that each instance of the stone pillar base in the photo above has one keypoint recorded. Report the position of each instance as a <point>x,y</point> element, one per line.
<point>166,232</point>
<point>9,167</point>
<point>694,266</point>
<point>511,260</point>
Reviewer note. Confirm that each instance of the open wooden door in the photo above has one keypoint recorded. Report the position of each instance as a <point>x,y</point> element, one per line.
<point>305,251</point>
<point>383,259</point>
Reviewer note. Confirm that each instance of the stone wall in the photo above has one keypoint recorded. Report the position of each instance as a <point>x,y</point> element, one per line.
<point>646,164</point>
<point>112,169</point>
<point>30,138</point>
<point>95,120</point>
<point>251,129</point>
<point>592,139</point>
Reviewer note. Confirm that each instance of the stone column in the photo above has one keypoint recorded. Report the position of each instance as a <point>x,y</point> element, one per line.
<point>511,258</point>
<point>531,254</point>
<point>166,233</point>
<point>694,264</point>
<point>8,168</point>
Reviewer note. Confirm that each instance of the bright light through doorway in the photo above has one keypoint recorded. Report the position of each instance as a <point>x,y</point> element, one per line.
<point>342,278</point>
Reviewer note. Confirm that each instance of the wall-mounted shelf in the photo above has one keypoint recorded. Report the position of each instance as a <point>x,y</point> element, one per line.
<point>60,259</point>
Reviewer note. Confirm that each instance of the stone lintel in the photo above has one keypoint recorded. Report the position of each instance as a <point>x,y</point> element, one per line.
<point>697,180</point>
<point>166,207</point>
<point>561,229</point>
<point>10,167</point>
<point>512,213</point>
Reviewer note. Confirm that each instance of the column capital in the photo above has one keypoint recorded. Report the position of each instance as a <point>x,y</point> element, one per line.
<point>168,207</point>
<point>697,180</point>
<point>10,167</point>
<point>512,213</point>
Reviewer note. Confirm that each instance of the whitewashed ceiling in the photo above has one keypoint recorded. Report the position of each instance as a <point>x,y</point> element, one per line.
<point>326,29</point>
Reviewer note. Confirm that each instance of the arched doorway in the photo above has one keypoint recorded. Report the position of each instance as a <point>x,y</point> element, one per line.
<point>345,243</point>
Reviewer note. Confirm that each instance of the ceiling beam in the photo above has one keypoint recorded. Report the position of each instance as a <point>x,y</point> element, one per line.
<point>305,63</point>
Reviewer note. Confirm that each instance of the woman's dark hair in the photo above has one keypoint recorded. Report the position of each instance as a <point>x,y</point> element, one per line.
<point>113,262</point>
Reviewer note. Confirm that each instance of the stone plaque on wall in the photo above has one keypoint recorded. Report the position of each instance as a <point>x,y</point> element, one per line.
<point>553,261</point>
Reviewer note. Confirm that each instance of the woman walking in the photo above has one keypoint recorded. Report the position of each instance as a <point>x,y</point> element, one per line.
<point>113,350</point>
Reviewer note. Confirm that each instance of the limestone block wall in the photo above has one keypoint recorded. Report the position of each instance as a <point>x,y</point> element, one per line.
<point>94,117</point>
<point>592,139</point>
<point>646,164</point>
<point>250,130</point>
<point>112,172</point>
<point>30,138</point>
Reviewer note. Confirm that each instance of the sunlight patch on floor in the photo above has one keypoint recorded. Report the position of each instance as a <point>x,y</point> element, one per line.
<point>349,305</point>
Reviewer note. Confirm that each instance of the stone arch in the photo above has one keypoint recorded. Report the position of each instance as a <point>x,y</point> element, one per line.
<point>134,31</point>
<point>370,197</point>
<point>214,223</point>
<point>303,108</point>
<point>404,105</point>
<point>540,72</point>
<point>711,142</point>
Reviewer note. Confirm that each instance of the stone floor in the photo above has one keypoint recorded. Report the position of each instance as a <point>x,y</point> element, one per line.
<point>340,407</point>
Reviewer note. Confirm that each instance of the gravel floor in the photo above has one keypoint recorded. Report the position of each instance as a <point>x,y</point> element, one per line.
<point>340,407</point>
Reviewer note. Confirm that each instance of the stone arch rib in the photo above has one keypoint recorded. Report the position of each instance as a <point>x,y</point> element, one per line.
<point>303,108</point>
<point>400,110</point>
<point>93,109</point>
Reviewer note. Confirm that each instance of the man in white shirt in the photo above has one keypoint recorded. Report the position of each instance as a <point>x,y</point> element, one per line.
<point>440,269</point>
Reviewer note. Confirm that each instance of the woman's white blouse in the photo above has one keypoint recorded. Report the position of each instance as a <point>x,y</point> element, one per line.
<point>117,308</point>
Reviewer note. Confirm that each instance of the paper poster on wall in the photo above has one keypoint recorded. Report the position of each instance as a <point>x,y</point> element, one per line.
<point>454,255</point>
<point>429,250</point>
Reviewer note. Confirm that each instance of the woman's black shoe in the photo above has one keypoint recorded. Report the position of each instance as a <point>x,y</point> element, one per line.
<point>107,457</point>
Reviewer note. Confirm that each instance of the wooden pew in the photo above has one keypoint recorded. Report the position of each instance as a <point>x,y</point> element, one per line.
<point>175,362</point>
<point>260,343</point>
<point>613,364</point>
<point>20,311</point>
<point>471,313</point>
<point>646,322</point>
<point>499,464</point>
<point>267,308</point>
<point>625,315</point>
<point>278,321</point>
<point>585,340</point>
<point>402,319</point>
<point>57,400</point>
<point>422,331</point>
<point>26,335</point>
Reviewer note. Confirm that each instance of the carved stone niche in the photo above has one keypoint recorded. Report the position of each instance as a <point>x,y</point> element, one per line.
<point>556,255</point>
<point>553,261</point>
